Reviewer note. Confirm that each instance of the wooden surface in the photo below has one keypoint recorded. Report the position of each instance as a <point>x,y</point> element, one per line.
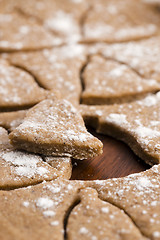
<point>117,161</point>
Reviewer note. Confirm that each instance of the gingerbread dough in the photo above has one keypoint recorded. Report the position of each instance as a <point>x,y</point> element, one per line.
<point>61,17</point>
<point>118,21</point>
<point>142,56</point>
<point>102,76</point>
<point>44,208</point>
<point>139,196</point>
<point>19,169</point>
<point>57,69</point>
<point>11,120</point>
<point>136,123</point>
<point>96,219</point>
<point>18,89</point>
<point>55,128</point>
<point>26,34</point>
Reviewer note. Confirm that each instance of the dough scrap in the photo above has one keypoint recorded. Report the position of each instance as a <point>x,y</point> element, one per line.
<point>102,76</point>
<point>44,207</point>
<point>136,123</point>
<point>55,128</point>
<point>57,69</point>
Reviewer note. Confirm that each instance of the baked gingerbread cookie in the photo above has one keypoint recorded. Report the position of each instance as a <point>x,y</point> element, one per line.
<point>19,168</point>
<point>107,81</point>
<point>55,128</point>
<point>57,68</point>
<point>135,123</point>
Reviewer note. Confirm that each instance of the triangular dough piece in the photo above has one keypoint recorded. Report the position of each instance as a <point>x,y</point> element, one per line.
<point>57,69</point>
<point>19,169</point>
<point>123,20</point>
<point>96,219</point>
<point>107,82</point>
<point>61,17</point>
<point>26,34</point>
<point>55,128</point>
<point>136,123</point>
<point>18,89</point>
<point>142,56</point>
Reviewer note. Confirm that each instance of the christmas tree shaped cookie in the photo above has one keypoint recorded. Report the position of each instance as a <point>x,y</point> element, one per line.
<point>55,128</point>
<point>108,81</point>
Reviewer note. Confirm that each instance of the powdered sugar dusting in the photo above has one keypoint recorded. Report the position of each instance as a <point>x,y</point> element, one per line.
<point>59,123</point>
<point>25,165</point>
<point>44,203</point>
<point>118,119</point>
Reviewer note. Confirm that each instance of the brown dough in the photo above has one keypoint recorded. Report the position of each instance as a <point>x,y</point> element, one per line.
<point>136,123</point>
<point>19,169</point>
<point>55,128</point>
<point>107,82</point>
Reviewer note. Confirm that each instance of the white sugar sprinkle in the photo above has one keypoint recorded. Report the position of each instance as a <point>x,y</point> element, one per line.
<point>44,202</point>
<point>105,209</point>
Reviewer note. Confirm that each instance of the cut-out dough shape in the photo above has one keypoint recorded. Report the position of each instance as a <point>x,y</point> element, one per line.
<point>26,34</point>
<point>19,169</point>
<point>136,123</point>
<point>142,56</point>
<point>123,20</point>
<point>108,82</point>
<point>61,17</point>
<point>96,219</point>
<point>18,89</point>
<point>57,69</point>
<point>55,128</point>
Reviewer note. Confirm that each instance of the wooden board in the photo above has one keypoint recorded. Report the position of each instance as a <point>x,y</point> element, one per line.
<point>117,160</point>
